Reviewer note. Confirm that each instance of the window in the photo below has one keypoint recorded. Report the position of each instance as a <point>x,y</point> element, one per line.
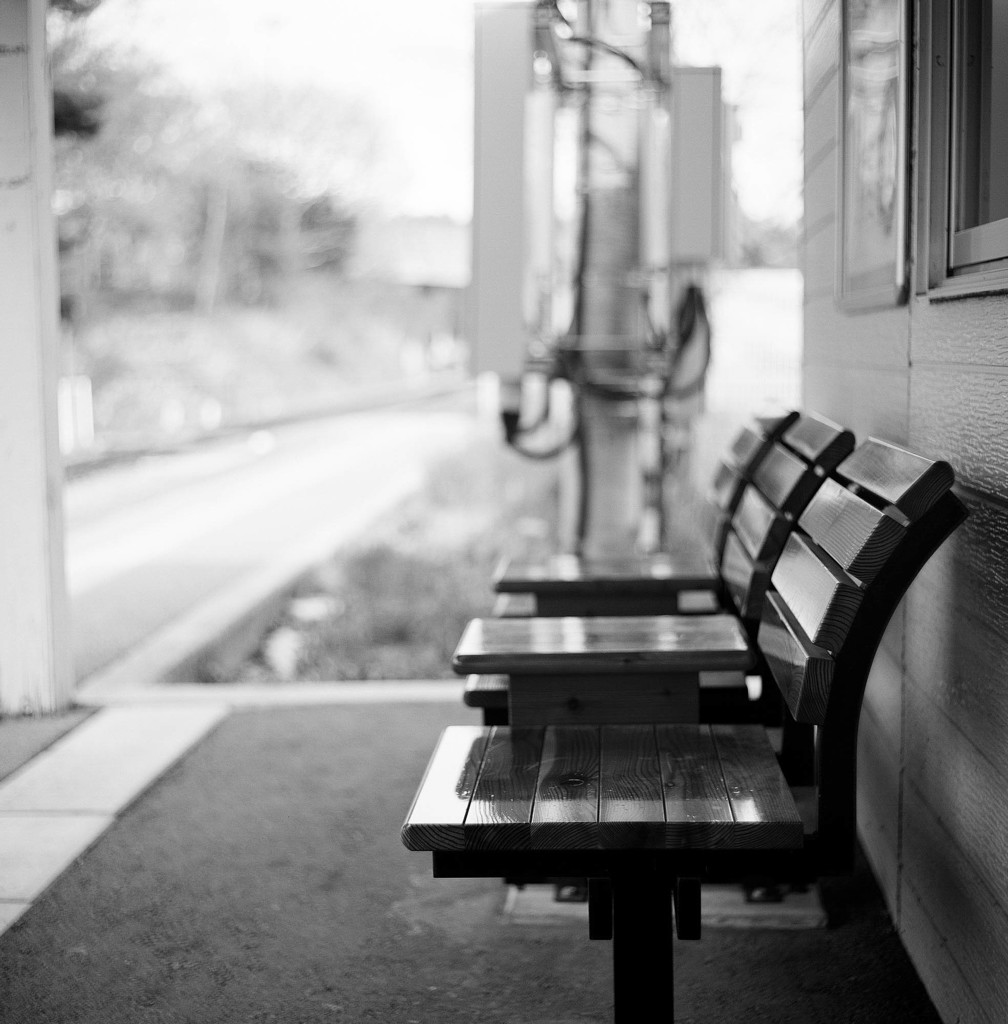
<point>968,66</point>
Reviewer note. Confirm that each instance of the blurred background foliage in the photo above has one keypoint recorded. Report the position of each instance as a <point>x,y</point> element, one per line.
<point>207,270</point>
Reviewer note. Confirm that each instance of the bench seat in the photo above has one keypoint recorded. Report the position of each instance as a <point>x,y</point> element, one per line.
<point>604,645</point>
<point>666,787</point>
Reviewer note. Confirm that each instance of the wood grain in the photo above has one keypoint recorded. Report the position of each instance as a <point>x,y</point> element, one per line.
<point>663,573</point>
<point>819,441</point>
<point>501,807</point>
<point>786,481</point>
<point>565,814</point>
<point>957,621</point>
<point>486,691</point>
<point>762,805</point>
<point>737,570</point>
<point>435,820</point>
<point>803,672</point>
<point>571,699</point>
<point>603,645</point>
<point>958,904</point>
<point>961,787</point>
<point>759,527</point>
<point>697,809</point>
<point>859,536</point>
<point>631,808</point>
<point>908,481</point>
<point>821,597</point>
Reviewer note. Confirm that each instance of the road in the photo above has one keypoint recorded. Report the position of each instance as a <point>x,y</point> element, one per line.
<point>175,546</point>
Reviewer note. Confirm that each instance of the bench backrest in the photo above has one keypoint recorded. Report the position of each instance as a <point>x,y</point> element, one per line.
<point>858,545</point>
<point>782,484</point>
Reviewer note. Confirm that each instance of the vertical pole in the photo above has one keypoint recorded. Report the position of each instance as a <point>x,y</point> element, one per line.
<point>35,663</point>
<point>642,948</point>
<point>608,315</point>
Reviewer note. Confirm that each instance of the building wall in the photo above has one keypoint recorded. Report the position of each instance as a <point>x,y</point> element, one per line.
<point>934,736</point>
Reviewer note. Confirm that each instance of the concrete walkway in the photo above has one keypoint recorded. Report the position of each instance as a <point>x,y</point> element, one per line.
<point>223,860</point>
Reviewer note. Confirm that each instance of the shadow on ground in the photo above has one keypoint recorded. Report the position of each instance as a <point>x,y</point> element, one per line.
<point>263,879</point>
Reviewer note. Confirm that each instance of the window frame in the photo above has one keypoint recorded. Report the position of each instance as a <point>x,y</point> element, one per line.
<point>951,263</point>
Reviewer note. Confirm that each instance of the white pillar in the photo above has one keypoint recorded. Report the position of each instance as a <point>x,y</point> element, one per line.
<point>36,672</point>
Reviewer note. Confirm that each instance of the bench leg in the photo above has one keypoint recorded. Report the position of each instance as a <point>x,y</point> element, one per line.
<point>642,949</point>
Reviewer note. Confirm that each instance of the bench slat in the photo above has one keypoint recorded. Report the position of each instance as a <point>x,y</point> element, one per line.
<point>565,813</point>
<point>663,573</point>
<point>501,805</point>
<point>764,810</point>
<point>822,598</point>
<point>746,447</point>
<point>604,645</point>
<point>631,808</point>
<point>803,672</point>
<point>739,572</point>
<point>615,787</point>
<point>490,691</point>
<point>785,480</point>
<point>819,440</point>
<point>859,536</point>
<point>758,526</point>
<point>580,699</point>
<point>725,486</point>
<point>697,809</point>
<point>910,482</point>
<point>435,821</point>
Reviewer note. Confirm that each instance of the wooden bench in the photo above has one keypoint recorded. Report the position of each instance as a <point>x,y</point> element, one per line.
<point>657,583</point>
<point>646,811</point>
<point>781,483</point>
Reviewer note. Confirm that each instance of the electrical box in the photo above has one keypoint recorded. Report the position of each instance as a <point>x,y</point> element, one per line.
<point>698,166</point>
<point>503,73</point>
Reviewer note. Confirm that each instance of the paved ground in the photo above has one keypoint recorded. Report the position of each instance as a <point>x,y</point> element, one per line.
<point>262,879</point>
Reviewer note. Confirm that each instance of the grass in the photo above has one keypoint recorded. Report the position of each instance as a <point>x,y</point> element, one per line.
<point>394,608</point>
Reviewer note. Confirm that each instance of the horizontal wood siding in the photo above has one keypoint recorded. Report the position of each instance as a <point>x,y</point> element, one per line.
<point>933,745</point>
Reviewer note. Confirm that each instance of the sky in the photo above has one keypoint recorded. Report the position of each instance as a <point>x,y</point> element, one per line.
<point>409,63</point>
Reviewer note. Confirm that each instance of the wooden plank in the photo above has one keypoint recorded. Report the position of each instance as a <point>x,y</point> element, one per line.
<point>909,482</point>
<point>820,596</point>
<point>737,570</point>
<point>726,486</point>
<point>820,441</point>
<point>765,813</point>
<point>959,905</point>
<point>968,800</point>
<point>565,813</point>
<point>603,645</point>
<point>486,691</point>
<point>759,527</point>
<point>880,340</point>
<point>500,811</point>
<point>631,809</point>
<point>786,481</point>
<point>439,808</point>
<point>803,672</point>
<point>957,622</point>
<point>859,536</point>
<point>746,448</point>
<point>697,810</point>
<point>662,573</point>
<point>572,699</point>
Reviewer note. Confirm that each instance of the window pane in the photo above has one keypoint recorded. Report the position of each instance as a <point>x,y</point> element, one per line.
<point>981,112</point>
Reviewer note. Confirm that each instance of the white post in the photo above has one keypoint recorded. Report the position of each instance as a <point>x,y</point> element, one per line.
<point>36,674</point>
